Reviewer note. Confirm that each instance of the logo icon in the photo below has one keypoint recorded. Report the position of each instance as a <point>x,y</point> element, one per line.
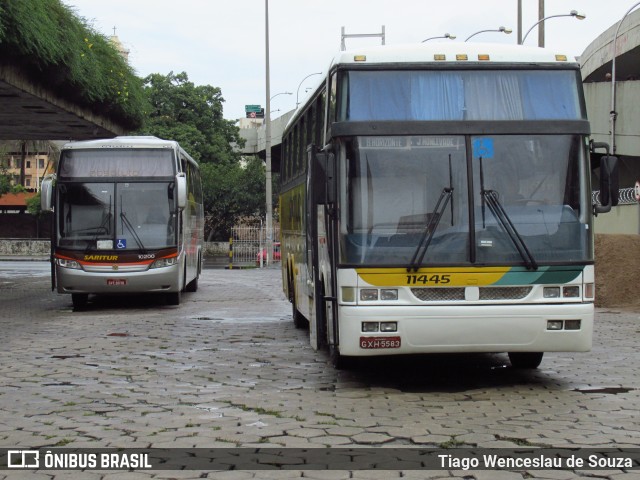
<point>23,459</point>
<point>121,243</point>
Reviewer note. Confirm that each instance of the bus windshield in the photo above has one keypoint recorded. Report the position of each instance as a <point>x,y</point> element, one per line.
<point>462,95</point>
<point>393,190</point>
<point>116,216</point>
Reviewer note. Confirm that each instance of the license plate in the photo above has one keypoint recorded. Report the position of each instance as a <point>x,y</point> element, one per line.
<point>380,342</point>
<point>116,282</point>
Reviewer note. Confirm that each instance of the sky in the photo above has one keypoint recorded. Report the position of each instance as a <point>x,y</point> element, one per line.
<point>222,42</point>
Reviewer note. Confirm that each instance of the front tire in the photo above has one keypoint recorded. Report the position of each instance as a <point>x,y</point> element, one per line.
<point>192,286</point>
<point>525,360</point>
<point>79,299</point>
<point>173,298</point>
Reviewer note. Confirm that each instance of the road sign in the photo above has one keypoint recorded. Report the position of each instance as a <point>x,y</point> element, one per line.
<point>252,108</point>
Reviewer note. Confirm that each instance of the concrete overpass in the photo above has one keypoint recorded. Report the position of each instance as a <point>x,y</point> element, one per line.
<point>596,63</point>
<point>31,112</point>
<point>256,139</point>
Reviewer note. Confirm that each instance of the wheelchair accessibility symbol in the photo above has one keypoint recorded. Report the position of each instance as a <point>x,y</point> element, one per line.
<point>121,243</point>
<point>482,147</point>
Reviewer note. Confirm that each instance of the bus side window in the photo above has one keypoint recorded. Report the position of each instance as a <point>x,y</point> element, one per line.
<point>331,116</point>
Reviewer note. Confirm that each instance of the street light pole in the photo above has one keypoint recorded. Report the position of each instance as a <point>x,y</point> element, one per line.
<point>446,35</point>
<point>540,22</point>
<point>612,113</point>
<point>267,149</point>
<point>500,29</point>
<point>300,84</point>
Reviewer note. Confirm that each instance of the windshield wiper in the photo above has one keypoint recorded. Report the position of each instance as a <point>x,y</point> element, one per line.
<point>490,197</point>
<point>432,224</point>
<point>127,223</point>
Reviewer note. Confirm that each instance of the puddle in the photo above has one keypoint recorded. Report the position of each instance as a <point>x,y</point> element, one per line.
<point>605,390</point>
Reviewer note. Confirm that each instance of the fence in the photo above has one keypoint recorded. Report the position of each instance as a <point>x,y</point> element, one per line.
<point>248,246</point>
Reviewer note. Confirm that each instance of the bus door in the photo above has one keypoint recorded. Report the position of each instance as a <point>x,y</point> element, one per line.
<point>320,231</point>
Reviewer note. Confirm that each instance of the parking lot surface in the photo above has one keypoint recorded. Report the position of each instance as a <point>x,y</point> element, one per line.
<point>227,368</point>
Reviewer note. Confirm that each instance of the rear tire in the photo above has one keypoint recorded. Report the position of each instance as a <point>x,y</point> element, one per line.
<point>298,319</point>
<point>525,360</point>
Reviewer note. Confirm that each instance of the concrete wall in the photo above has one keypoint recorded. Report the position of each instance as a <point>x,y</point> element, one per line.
<point>621,219</point>
<point>26,247</point>
<point>598,100</point>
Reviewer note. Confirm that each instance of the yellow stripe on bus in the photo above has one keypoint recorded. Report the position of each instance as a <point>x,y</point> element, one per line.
<point>443,277</point>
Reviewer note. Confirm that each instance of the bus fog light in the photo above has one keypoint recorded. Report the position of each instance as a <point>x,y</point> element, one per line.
<point>368,294</point>
<point>589,290</point>
<point>551,292</point>
<point>388,326</point>
<point>571,291</point>
<point>369,327</point>
<point>348,294</point>
<point>389,294</point>
<point>572,324</point>
<point>554,324</point>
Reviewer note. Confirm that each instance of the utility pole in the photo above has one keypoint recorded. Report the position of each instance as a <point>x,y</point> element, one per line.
<point>519,26</point>
<point>541,25</point>
<point>267,149</point>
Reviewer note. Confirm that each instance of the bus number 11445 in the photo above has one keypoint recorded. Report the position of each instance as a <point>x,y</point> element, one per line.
<point>428,279</point>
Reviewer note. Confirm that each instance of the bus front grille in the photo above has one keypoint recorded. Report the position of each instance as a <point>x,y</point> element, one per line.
<point>458,293</point>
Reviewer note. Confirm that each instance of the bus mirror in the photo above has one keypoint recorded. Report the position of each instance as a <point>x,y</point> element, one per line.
<point>181,189</point>
<point>609,183</point>
<point>46,193</point>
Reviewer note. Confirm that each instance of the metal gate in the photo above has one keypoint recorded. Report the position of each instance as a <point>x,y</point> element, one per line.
<point>248,247</point>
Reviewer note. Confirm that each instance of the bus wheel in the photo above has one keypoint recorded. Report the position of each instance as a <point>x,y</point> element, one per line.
<point>526,360</point>
<point>192,286</point>
<point>298,319</point>
<point>79,299</point>
<point>338,361</point>
<point>172,298</point>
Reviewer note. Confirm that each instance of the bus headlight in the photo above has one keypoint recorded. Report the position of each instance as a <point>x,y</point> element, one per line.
<point>572,291</point>
<point>389,294</point>
<point>368,294</point>
<point>66,263</point>
<point>551,292</point>
<point>164,262</point>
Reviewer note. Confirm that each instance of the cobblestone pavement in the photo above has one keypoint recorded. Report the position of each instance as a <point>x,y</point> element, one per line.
<point>227,368</point>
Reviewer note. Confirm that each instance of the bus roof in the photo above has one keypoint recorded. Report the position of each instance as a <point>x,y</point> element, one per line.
<point>451,52</point>
<point>122,142</point>
<point>440,52</point>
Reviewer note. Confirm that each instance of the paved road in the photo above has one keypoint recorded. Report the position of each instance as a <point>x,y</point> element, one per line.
<point>227,368</point>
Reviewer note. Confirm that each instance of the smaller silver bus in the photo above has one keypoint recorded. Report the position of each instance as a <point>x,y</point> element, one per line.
<point>128,218</point>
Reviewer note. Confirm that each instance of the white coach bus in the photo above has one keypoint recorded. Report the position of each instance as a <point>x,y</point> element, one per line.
<point>128,218</point>
<point>437,198</point>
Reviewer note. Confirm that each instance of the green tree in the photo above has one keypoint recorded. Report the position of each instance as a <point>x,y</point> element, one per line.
<point>232,192</point>
<point>193,115</point>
